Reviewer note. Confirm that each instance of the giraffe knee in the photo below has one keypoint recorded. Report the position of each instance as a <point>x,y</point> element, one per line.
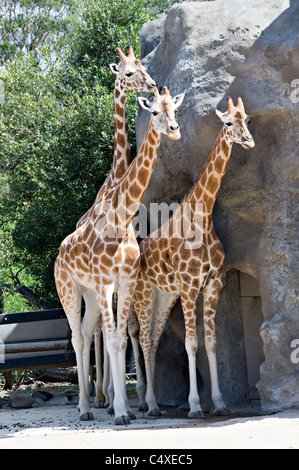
<point>191,345</point>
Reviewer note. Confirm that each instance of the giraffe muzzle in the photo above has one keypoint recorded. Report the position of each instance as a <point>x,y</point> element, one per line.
<point>173,132</point>
<point>247,142</point>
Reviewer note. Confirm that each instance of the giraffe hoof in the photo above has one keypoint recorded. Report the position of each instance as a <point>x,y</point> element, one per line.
<point>155,412</point>
<point>131,414</point>
<point>121,420</point>
<point>110,410</point>
<point>223,411</point>
<point>106,404</point>
<point>87,417</point>
<point>99,404</point>
<point>196,414</point>
<point>143,407</point>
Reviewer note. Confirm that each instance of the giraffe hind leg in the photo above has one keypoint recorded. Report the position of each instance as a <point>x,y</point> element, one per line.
<point>211,297</point>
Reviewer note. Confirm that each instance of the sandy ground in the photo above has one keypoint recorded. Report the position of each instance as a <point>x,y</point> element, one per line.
<point>48,427</point>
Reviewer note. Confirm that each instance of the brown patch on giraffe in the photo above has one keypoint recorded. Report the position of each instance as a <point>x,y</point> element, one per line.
<point>123,99</point>
<point>118,124</point>
<point>119,110</point>
<point>116,93</point>
<point>121,141</point>
<point>185,255</point>
<point>146,163</point>
<point>120,169</point>
<point>161,279</point>
<point>224,148</point>
<point>63,276</point>
<point>151,152</point>
<point>219,164</point>
<point>210,324</point>
<point>213,184</point>
<point>135,191</point>
<point>106,261</point>
<point>143,176</point>
<point>208,203</point>
<point>151,139</point>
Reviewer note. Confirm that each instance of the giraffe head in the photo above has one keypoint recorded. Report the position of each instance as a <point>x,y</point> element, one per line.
<point>131,73</point>
<point>163,112</point>
<point>236,121</point>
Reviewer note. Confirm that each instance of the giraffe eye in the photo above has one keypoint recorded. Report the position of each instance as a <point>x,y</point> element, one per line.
<point>129,74</point>
<point>155,113</point>
<point>229,123</point>
<point>248,121</point>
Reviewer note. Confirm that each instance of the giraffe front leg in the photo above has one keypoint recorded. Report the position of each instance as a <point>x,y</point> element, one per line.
<point>191,344</point>
<point>104,295</point>
<point>70,295</point>
<point>211,297</point>
<point>125,295</point>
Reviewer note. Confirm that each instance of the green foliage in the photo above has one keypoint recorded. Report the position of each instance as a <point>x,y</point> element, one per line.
<point>27,24</point>
<point>57,139</point>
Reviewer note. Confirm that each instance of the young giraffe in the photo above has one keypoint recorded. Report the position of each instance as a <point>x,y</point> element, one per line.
<point>130,76</point>
<point>173,266</point>
<point>100,258</point>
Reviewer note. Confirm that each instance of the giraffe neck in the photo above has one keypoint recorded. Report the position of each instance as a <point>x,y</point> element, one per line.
<point>125,197</point>
<point>122,146</point>
<point>209,181</point>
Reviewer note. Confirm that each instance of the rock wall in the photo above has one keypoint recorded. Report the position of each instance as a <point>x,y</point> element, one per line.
<point>212,50</point>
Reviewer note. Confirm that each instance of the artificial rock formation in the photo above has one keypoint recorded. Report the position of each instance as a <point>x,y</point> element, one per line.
<point>210,51</point>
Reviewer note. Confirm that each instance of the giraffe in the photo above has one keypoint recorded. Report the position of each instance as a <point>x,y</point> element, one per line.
<point>179,263</point>
<point>130,76</point>
<point>100,258</point>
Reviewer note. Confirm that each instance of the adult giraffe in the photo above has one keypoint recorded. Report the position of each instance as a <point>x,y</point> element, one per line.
<point>176,262</point>
<point>101,258</point>
<point>130,76</point>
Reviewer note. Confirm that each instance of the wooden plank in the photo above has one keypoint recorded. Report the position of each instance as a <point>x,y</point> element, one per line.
<point>42,361</point>
<point>31,346</point>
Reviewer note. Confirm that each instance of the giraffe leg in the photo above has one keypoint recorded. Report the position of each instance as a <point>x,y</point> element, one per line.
<point>143,303</point>
<point>70,296</point>
<point>191,344</point>
<point>211,295</point>
<point>99,398</point>
<point>107,376</point>
<point>90,321</point>
<point>133,328</point>
<point>104,296</point>
<point>124,300</point>
<point>163,304</point>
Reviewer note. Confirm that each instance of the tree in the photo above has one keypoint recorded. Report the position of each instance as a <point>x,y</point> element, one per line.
<point>57,140</point>
<point>27,24</point>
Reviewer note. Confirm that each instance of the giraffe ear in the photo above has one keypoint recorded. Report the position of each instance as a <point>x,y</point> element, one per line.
<point>144,103</point>
<point>221,115</point>
<point>114,68</point>
<point>178,99</point>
